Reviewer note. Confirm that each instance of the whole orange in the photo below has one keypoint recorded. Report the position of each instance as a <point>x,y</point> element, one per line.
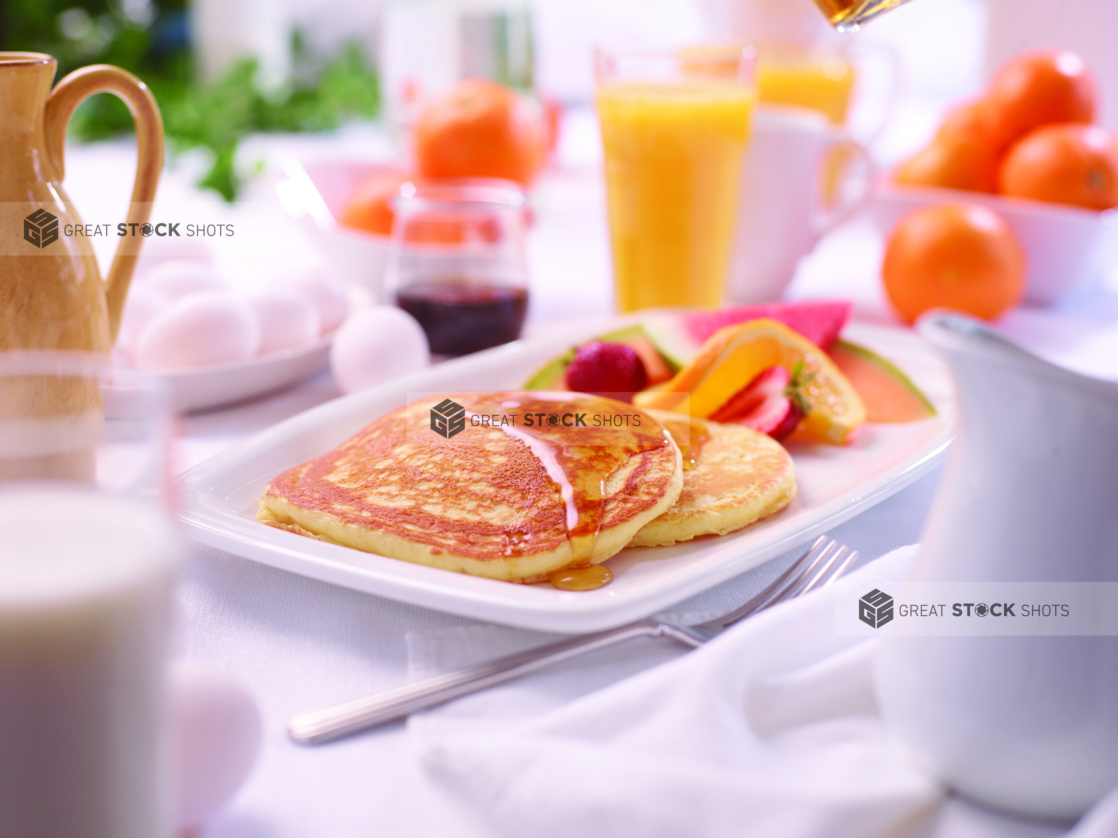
<point>480,129</point>
<point>369,208</point>
<point>1040,88</point>
<point>973,121</point>
<point>1066,164</point>
<point>952,163</point>
<point>959,256</point>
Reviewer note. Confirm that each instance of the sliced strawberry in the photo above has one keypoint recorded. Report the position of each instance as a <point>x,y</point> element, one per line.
<point>767,386</point>
<point>770,403</point>
<point>787,424</point>
<point>606,369</point>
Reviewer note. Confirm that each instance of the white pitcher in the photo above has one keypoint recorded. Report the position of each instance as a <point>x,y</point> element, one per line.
<point>1029,494</point>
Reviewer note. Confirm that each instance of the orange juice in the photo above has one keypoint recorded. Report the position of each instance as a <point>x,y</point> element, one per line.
<point>673,155</point>
<point>791,76</point>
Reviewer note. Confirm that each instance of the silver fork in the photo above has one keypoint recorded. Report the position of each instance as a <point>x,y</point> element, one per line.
<point>821,565</point>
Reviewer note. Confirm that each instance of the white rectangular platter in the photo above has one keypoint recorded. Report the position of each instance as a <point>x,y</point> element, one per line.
<point>220,497</point>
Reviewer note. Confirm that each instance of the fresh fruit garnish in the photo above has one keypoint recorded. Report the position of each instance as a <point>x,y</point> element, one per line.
<point>772,403</point>
<point>1066,164</point>
<point>369,208</point>
<point>735,355</point>
<point>1040,88</point>
<point>551,376</point>
<point>962,256</point>
<point>955,163</point>
<point>679,335</point>
<point>889,394</point>
<point>480,129</point>
<point>606,369</point>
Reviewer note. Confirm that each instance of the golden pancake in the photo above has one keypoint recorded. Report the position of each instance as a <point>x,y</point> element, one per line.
<point>535,491</point>
<point>732,477</point>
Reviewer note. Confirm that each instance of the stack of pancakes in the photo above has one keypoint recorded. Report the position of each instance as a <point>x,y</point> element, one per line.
<point>517,498</point>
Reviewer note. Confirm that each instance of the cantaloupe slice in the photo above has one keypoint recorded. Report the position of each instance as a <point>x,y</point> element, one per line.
<point>888,394</point>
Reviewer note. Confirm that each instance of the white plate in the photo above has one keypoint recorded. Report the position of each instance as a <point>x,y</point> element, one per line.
<point>220,498</point>
<point>220,384</point>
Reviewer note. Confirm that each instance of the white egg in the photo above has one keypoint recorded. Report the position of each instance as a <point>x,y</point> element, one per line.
<point>325,293</point>
<point>286,319</point>
<point>216,734</point>
<point>376,344</point>
<point>212,327</point>
<point>180,277</point>
<point>142,303</point>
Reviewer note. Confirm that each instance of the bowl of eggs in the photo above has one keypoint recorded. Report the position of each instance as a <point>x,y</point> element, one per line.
<point>214,343</point>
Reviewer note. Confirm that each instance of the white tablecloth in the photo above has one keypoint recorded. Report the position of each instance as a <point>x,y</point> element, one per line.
<point>299,643</point>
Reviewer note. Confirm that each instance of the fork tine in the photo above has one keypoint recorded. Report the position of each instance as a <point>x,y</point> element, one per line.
<point>822,572</point>
<point>776,590</point>
<point>841,569</point>
<point>802,583</point>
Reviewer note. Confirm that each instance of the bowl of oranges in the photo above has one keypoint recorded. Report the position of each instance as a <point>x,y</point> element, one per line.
<point>476,129</point>
<point>1028,151</point>
<point>319,193</point>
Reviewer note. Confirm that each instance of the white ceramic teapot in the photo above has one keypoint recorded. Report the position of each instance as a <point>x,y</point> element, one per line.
<point>1029,494</point>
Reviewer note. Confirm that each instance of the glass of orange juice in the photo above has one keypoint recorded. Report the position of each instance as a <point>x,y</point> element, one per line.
<point>675,126</point>
<point>806,77</point>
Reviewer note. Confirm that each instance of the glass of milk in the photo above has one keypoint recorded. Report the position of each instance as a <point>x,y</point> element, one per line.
<point>87,563</point>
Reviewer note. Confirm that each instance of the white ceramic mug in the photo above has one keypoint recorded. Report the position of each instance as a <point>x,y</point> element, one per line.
<point>781,212</point>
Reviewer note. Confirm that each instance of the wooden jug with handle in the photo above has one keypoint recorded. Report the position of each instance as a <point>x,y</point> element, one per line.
<point>53,302</point>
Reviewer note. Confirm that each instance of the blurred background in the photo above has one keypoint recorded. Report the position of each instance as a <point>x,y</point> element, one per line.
<point>225,68</point>
<point>254,90</point>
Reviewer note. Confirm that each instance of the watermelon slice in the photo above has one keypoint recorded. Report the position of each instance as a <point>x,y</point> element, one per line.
<point>678,336</point>
<point>889,394</point>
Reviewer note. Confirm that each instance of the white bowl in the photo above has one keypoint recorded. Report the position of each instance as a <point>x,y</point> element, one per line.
<point>1068,248</point>
<point>316,192</point>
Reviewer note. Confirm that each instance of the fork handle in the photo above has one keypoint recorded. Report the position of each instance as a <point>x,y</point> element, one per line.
<point>317,726</point>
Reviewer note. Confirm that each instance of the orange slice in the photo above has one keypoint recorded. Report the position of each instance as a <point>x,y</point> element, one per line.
<point>735,355</point>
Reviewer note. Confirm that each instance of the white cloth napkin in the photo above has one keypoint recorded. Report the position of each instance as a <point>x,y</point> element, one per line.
<point>769,730</point>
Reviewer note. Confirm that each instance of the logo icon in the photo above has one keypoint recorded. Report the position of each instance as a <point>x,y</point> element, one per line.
<point>875,609</point>
<point>448,418</point>
<point>40,228</point>
<point>981,609</point>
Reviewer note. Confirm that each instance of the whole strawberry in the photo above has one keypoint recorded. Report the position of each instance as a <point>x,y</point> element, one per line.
<point>606,369</point>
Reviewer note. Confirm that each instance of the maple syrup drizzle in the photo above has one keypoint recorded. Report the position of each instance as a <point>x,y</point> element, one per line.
<point>690,436</point>
<point>581,578</point>
<point>579,460</point>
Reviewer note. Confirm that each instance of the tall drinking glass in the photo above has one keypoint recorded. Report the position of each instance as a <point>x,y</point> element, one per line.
<point>675,126</point>
<point>87,562</point>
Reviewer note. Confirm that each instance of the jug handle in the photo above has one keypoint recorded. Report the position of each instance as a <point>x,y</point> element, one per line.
<point>63,101</point>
